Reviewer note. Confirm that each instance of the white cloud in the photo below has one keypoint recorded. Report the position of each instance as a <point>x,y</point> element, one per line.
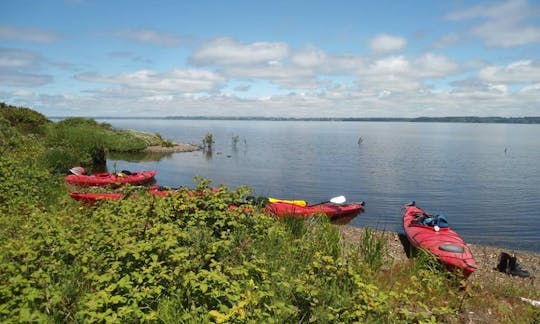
<point>31,35</point>
<point>390,65</point>
<point>355,102</point>
<point>309,57</point>
<point>525,71</point>
<point>432,66</point>
<point>385,43</point>
<point>274,62</point>
<point>503,24</point>
<point>17,58</point>
<point>149,36</point>
<point>21,79</point>
<point>24,93</point>
<point>284,75</point>
<point>227,51</point>
<point>397,73</point>
<point>178,81</point>
<point>531,89</point>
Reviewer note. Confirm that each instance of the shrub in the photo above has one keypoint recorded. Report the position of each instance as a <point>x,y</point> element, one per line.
<point>208,141</point>
<point>24,119</point>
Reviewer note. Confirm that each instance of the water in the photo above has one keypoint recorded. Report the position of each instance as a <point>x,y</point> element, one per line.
<point>484,177</point>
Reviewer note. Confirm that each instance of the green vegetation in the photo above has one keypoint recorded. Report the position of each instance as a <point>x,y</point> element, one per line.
<point>208,142</point>
<point>23,119</point>
<point>190,258</point>
<point>234,141</point>
<point>73,141</point>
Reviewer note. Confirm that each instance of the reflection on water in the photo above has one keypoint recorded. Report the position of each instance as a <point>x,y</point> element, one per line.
<point>208,154</point>
<point>138,156</point>
<point>344,220</point>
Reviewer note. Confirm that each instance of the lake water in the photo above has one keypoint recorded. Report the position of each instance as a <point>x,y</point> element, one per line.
<point>485,178</point>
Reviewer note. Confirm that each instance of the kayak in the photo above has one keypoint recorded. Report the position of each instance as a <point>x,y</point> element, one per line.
<point>433,233</point>
<point>92,197</point>
<point>332,210</point>
<point>111,179</point>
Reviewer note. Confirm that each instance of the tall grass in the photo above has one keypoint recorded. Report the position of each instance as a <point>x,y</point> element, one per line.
<point>372,248</point>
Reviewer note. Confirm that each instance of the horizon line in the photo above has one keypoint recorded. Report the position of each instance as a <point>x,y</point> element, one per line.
<point>468,119</point>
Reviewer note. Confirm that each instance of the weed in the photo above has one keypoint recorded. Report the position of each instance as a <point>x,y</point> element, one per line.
<point>372,248</point>
<point>208,141</point>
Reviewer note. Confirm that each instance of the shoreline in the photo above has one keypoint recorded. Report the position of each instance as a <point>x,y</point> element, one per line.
<point>486,258</point>
<point>176,148</point>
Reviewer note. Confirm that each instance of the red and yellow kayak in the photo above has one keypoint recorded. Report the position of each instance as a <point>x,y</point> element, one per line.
<point>332,210</point>
<point>445,244</point>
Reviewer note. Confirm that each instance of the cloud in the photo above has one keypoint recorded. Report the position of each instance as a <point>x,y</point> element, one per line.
<point>177,81</point>
<point>504,24</point>
<point>20,79</point>
<point>287,76</point>
<point>385,43</point>
<point>130,56</point>
<point>227,51</point>
<point>531,89</point>
<point>526,71</point>
<point>274,62</point>
<point>479,100</point>
<point>32,35</point>
<point>431,65</point>
<point>17,68</point>
<point>149,36</point>
<point>448,40</point>
<point>320,62</point>
<point>398,74</point>
<point>17,58</point>
<point>309,57</point>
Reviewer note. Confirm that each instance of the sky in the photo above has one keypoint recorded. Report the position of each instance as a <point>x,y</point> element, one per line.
<point>271,58</point>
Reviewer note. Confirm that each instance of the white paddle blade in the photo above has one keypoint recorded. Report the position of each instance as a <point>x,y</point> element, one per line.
<point>338,200</point>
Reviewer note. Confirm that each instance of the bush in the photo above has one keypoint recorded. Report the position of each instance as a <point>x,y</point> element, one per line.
<point>79,145</point>
<point>25,183</point>
<point>24,119</point>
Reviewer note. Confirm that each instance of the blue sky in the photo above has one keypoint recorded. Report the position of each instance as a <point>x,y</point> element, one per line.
<point>271,58</point>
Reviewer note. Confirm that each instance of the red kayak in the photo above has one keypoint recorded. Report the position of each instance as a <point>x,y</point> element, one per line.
<point>332,210</point>
<point>432,233</point>
<point>111,179</point>
<point>92,197</point>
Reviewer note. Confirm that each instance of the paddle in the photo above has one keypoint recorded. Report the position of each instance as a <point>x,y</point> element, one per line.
<point>302,203</point>
<point>336,200</point>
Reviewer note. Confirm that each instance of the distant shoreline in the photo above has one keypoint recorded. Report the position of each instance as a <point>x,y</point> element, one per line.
<point>458,119</point>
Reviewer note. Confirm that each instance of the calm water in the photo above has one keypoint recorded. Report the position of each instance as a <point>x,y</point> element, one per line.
<point>484,177</point>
